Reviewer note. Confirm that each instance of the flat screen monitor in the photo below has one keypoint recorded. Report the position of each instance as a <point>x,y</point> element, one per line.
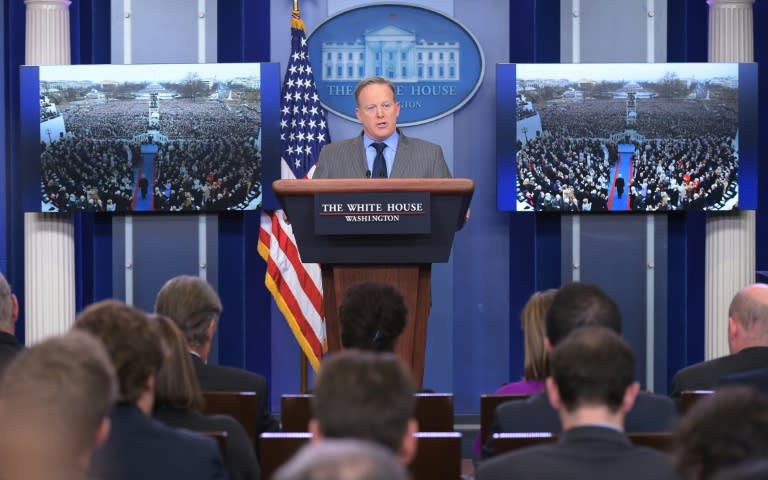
<point>614,137</point>
<point>147,138</point>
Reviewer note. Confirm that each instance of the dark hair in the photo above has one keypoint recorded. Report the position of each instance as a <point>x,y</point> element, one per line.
<point>750,470</point>
<point>192,303</point>
<point>723,430</point>
<point>372,316</point>
<point>364,395</point>
<point>132,342</point>
<point>177,385</point>
<point>592,366</point>
<point>580,304</point>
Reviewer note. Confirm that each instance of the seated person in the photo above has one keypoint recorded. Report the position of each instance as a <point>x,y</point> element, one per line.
<point>592,389</point>
<point>9,313</point>
<point>139,446</point>
<point>757,378</point>
<point>536,366</point>
<point>55,399</point>
<point>722,431</point>
<point>342,460</point>
<point>179,402</point>
<point>576,305</point>
<point>196,307</point>
<point>372,315</point>
<point>368,396</point>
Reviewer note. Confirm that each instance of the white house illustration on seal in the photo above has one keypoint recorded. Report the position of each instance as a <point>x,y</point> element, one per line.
<point>391,52</point>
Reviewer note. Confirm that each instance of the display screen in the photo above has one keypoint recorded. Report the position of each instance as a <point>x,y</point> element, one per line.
<point>626,137</point>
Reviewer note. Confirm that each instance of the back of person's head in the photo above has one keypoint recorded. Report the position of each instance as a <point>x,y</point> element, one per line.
<point>193,304</point>
<point>132,342</point>
<point>7,305</point>
<point>750,470</point>
<point>577,305</point>
<point>532,320</point>
<point>177,385</point>
<point>342,460</point>
<point>593,366</point>
<point>723,430</point>
<point>364,395</point>
<point>749,307</point>
<point>372,316</point>
<point>55,399</point>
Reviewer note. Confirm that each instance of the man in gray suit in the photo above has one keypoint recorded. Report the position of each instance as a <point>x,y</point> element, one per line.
<point>381,150</point>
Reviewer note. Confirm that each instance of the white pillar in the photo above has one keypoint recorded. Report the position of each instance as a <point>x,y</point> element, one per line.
<point>730,244</point>
<point>49,267</point>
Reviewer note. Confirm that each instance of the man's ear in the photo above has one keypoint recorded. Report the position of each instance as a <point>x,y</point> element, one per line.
<point>314,429</point>
<point>211,330</point>
<point>553,393</point>
<point>102,434</point>
<point>630,394</point>
<point>409,444</point>
<point>14,309</point>
<point>547,346</point>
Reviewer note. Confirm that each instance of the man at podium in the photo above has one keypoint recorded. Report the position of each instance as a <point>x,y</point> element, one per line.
<point>381,150</point>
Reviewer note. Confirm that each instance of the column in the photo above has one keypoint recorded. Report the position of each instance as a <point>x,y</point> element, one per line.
<point>730,244</point>
<point>49,267</point>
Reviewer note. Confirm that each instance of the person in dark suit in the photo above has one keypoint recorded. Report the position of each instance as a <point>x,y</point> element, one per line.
<point>9,313</point>
<point>722,431</point>
<point>195,308</point>
<point>55,399</point>
<point>403,157</point>
<point>577,305</point>
<point>757,379</point>
<point>367,396</point>
<point>747,343</point>
<point>619,185</point>
<point>592,389</point>
<point>372,316</point>
<point>179,404</point>
<point>143,186</point>
<point>138,445</point>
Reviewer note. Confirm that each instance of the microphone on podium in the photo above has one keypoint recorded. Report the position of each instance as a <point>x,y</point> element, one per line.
<point>367,174</point>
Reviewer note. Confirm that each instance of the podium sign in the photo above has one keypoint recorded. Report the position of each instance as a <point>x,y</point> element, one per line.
<point>395,213</point>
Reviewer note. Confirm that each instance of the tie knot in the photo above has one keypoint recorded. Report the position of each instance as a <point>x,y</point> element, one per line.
<point>379,147</point>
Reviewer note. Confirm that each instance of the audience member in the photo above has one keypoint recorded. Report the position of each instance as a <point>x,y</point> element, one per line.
<point>9,313</point>
<point>747,343</point>
<point>372,316</point>
<point>55,399</point>
<point>179,402</point>
<point>369,396</point>
<point>195,307</point>
<point>722,431</point>
<point>578,305</point>
<point>592,389</point>
<point>751,470</point>
<point>342,460</point>
<point>139,446</point>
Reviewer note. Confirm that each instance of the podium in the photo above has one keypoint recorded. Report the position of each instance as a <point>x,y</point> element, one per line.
<point>382,230</point>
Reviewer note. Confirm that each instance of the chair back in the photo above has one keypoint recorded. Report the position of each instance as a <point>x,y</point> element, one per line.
<point>434,412</point>
<point>438,455</point>
<point>488,404</point>
<point>295,412</point>
<point>242,406</point>
<point>688,398</point>
<point>278,448</point>
<point>662,441</point>
<point>508,442</point>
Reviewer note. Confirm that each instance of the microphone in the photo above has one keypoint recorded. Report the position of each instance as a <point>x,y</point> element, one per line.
<point>367,174</point>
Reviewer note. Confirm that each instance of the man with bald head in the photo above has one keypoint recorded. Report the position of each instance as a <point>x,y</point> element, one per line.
<point>9,313</point>
<point>747,342</point>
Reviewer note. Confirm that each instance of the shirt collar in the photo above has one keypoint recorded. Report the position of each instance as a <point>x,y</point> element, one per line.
<point>391,141</point>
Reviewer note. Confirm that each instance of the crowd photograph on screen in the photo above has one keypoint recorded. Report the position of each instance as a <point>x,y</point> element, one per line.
<point>131,138</point>
<point>627,137</point>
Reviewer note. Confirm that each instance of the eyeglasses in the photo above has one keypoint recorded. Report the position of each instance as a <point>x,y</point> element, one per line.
<point>386,107</point>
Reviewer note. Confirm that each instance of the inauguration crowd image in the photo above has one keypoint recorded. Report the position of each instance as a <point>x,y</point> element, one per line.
<point>185,139</point>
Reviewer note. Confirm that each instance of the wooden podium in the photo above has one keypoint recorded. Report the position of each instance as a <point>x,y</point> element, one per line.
<point>353,252</point>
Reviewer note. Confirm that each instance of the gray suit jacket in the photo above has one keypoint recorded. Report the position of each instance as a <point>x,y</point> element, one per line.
<point>704,375</point>
<point>414,158</point>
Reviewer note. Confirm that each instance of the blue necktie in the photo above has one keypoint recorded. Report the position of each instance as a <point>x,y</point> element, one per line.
<point>379,165</point>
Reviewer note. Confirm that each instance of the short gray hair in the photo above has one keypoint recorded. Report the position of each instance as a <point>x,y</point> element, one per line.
<point>342,459</point>
<point>374,81</point>
<point>6,303</point>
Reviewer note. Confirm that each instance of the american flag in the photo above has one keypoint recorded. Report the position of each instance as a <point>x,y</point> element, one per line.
<point>295,286</point>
